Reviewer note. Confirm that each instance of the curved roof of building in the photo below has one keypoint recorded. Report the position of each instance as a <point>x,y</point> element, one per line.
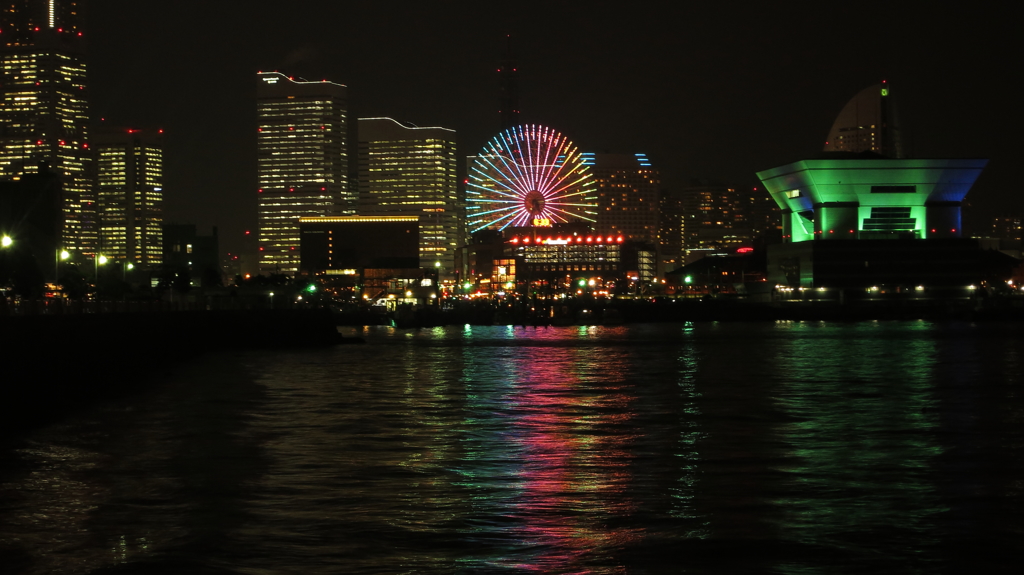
<point>870,182</point>
<point>867,123</point>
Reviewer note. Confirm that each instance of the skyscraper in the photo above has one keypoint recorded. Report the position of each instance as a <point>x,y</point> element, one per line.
<point>302,163</point>
<point>714,219</point>
<point>508,75</point>
<point>129,189</point>
<point>867,123</point>
<point>44,112</point>
<point>405,170</point>
<point>627,195</point>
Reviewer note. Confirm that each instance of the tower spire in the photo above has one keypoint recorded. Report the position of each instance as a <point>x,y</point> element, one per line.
<point>508,75</point>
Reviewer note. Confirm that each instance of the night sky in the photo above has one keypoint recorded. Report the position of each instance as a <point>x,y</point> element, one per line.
<point>714,92</point>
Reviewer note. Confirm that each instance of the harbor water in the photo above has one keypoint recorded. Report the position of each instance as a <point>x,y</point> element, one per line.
<point>775,447</point>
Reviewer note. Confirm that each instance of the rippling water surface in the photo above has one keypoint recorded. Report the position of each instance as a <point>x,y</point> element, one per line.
<point>796,448</point>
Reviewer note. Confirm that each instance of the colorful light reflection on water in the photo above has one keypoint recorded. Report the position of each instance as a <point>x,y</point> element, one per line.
<point>789,448</point>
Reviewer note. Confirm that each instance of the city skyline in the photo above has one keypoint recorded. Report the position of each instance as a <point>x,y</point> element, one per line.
<point>705,96</point>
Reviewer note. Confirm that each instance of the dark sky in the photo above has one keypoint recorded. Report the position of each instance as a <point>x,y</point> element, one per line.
<point>716,92</point>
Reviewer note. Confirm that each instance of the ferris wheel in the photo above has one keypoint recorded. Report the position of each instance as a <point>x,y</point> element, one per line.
<point>529,176</point>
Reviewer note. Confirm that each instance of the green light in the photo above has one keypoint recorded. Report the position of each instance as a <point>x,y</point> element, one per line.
<point>468,286</point>
<point>311,288</point>
<point>688,279</point>
<point>885,91</point>
<point>583,283</point>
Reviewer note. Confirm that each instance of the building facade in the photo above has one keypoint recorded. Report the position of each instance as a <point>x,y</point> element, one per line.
<point>303,162</point>
<point>129,189</point>
<point>867,123</point>
<point>714,220</point>
<point>44,111</point>
<point>405,170</point>
<point>846,198</point>
<point>627,195</point>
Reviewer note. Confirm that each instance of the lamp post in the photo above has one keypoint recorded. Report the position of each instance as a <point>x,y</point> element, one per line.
<point>59,256</point>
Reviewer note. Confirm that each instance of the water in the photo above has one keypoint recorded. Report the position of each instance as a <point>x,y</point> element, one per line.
<point>794,448</point>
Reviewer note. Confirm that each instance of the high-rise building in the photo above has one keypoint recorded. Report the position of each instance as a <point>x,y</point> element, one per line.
<point>44,112</point>
<point>129,189</point>
<point>508,75</point>
<point>867,123</point>
<point>302,162</point>
<point>627,195</point>
<point>712,220</point>
<point>406,170</point>
<point>670,231</point>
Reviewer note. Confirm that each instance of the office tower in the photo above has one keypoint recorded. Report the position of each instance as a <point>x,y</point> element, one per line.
<point>44,115</point>
<point>302,162</point>
<point>867,123</point>
<point>129,190</point>
<point>713,220</point>
<point>670,231</point>
<point>627,195</point>
<point>508,76</point>
<point>405,170</point>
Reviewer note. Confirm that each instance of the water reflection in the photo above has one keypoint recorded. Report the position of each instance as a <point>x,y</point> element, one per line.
<point>861,441</point>
<point>551,454</point>
<point>699,448</point>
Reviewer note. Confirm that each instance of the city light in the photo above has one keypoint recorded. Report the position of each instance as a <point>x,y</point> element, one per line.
<point>6,242</point>
<point>529,175</point>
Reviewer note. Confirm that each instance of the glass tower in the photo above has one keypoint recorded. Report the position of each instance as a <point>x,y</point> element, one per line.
<point>406,170</point>
<point>302,162</point>
<point>129,185</point>
<point>44,112</point>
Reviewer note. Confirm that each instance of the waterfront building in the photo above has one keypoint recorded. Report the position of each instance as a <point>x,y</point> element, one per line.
<point>129,186</point>
<point>342,245</point>
<point>407,170</point>
<point>857,198</point>
<point>553,260</point>
<point>372,259</point>
<point>862,222</point>
<point>44,111</point>
<point>303,162</point>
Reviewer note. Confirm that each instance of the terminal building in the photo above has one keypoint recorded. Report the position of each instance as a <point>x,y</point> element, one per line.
<point>861,216</point>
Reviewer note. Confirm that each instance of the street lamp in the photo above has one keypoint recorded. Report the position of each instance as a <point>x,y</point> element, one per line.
<point>59,256</point>
<point>6,241</point>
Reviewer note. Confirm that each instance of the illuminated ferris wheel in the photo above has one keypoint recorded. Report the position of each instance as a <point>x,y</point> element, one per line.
<point>529,176</point>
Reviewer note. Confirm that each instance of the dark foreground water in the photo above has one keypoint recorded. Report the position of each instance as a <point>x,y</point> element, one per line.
<point>798,448</point>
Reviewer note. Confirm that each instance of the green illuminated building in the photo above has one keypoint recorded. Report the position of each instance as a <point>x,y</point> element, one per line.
<point>889,225</point>
<point>858,198</point>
